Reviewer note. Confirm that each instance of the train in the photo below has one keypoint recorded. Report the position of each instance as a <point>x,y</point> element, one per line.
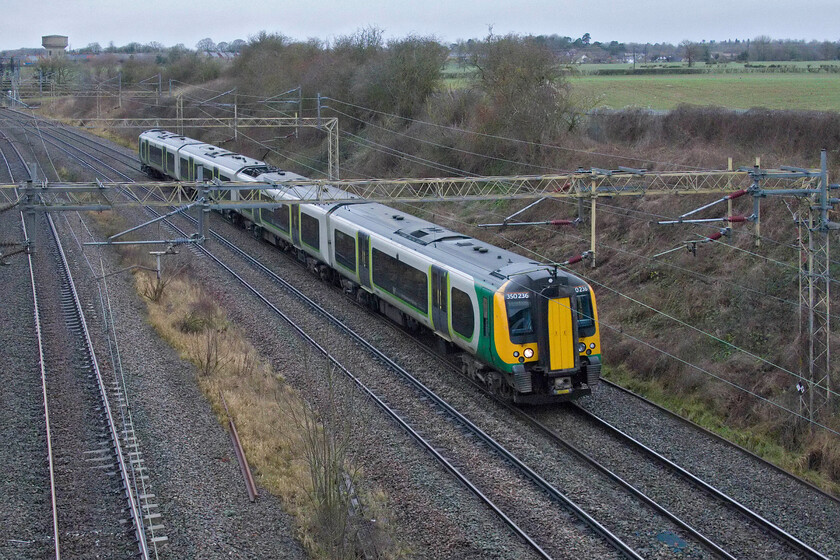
<point>527,331</point>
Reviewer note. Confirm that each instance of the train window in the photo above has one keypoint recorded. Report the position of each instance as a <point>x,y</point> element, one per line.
<point>310,232</point>
<point>170,161</point>
<point>224,177</point>
<point>185,169</point>
<point>519,317</point>
<point>402,280</point>
<point>155,155</point>
<point>207,173</point>
<point>279,217</point>
<point>345,250</point>
<point>585,316</point>
<point>463,320</point>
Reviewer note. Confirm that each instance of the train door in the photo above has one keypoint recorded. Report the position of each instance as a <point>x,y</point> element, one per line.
<point>364,259</point>
<point>296,225</point>
<point>440,300</point>
<point>562,334</point>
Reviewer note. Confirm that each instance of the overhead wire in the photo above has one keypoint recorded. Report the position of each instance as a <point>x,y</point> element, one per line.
<point>650,308</point>
<point>515,140</point>
<point>459,172</point>
<point>370,123</point>
<point>452,148</point>
<point>666,353</point>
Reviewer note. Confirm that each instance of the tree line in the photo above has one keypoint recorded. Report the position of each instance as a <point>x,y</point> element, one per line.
<point>762,48</point>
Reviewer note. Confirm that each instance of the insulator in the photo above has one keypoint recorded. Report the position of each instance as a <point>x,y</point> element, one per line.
<point>736,219</point>
<point>561,222</point>
<point>715,236</point>
<point>574,260</point>
<point>736,194</point>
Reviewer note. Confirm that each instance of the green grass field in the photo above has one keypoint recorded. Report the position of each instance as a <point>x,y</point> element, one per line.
<point>729,85</point>
<point>817,92</point>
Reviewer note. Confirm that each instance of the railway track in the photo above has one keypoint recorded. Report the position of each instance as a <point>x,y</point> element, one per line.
<point>523,469</point>
<point>97,482</point>
<point>792,547</point>
<point>539,422</point>
<point>720,439</point>
<point>797,545</point>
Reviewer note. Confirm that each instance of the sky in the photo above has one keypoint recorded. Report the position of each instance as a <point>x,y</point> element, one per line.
<point>641,21</point>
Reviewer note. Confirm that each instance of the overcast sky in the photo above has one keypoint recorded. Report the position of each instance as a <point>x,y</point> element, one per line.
<point>643,21</point>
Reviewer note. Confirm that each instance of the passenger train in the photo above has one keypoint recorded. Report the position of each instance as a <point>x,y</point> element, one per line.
<point>526,330</point>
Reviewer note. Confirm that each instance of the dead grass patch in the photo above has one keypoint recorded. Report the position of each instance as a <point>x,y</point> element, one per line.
<point>298,454</point>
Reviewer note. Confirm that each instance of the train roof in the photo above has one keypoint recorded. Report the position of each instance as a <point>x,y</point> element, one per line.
<point>169,139</point>
<point>484,261</point>
<point>492,264</point>
<point>204,152</point>
<point>298,192</point>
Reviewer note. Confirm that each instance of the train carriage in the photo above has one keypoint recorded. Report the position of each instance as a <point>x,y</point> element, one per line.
<point>525,329</point>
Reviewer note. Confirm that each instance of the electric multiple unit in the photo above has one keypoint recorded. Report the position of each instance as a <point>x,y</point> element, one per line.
<point>526,330</point>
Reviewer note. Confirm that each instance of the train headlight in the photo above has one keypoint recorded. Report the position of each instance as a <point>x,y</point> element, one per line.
<point>528,353</point>
<point>581,347</point>
<point>592,345</point>
<point>516,354</point>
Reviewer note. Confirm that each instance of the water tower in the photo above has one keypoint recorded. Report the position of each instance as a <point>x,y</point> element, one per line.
<point>55,44</point>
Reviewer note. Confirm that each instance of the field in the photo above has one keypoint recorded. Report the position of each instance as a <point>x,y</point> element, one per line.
<point>731,85</point>
<point>808,92</point>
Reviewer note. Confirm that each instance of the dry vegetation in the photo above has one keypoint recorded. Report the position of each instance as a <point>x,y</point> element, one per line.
<point>742,299</point>
<point>298,453</point>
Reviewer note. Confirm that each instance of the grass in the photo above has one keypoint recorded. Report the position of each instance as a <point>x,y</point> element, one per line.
<point>807,92</point>
<point>720,67</point>
<point>275,424</point>
<point>728,85</point>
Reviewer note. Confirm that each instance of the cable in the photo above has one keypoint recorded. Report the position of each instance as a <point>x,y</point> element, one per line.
<point>679,321</point>
<point>435,144</point>
<point>526,142</point>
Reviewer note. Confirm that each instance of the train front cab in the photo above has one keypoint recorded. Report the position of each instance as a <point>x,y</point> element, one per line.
<point>547,339</point>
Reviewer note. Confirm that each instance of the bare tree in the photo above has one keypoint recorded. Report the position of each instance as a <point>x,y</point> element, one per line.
<point>692,51</point>
<point>205,45</point>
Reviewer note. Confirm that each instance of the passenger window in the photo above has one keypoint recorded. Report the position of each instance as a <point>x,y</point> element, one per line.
<point>278,217</point>
<point>463,319</point>
<point>156,155</point>
<point>402,280</point>
<point>345,250</point>
<point>310,232</point>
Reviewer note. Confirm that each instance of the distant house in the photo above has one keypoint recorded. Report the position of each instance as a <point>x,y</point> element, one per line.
<point>219,54</point>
